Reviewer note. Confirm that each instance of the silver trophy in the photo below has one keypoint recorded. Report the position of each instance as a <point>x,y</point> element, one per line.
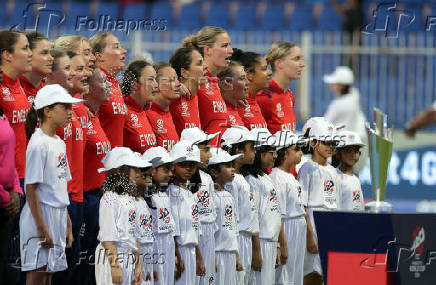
<point>380,151</point>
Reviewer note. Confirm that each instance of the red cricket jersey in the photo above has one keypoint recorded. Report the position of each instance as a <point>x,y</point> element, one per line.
<point>233,115</point>
<point>251,114</point>
<point>163,126</point>
<point>29,89</point>
<point>212,108</point>
<point>185,113</point>
<point>14,104</point>
<point>80,122</point>
<point>113,113</point>
<point>97,145</point>
<point>138,133</point>
<point>277,108</point>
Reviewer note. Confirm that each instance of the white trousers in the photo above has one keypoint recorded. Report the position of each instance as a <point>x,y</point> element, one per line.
<point>187,252</point>
<point>312,262</point>
<point>126,260</point>
<point>147,260</point>
<point>226,261</point>
<point>207,248</point>
<point>269,254</point>
<point>245,255</point>
<point>164,248</point>
<point>33,256</point>
<point>291,273</point>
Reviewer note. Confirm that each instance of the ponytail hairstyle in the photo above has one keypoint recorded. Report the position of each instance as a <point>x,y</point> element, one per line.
<point>278,50</point>
<point>280,156</point>
<point>34,38</point>
<point>32,118</point>
<point>247,59</point>
<point>132,74</point>
<point>57,54</point>
<point>69,43</point>
<point>256,168</point>
<point>181,58</point>
<point>228,73</point>
<point>205,37</point>
<point>7,41</point>
<point>98,41</point>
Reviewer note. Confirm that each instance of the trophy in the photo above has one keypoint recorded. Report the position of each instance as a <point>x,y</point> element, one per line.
<point>380,151</point>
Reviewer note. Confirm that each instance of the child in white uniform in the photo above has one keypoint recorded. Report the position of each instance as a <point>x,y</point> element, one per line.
<point>185,211</point>
<point>118,253</point>
<point>289,192</point>
<point>226,229</point>
<point>269,215</point>
<point>45,227</point>
<point>163,218</point>
<point>203,190</point>
<point>350,190</point>
<point>239,140</point>
<point>319,184</point>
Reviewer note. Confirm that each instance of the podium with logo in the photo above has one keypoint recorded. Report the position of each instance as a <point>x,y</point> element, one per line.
<point>377,248</point>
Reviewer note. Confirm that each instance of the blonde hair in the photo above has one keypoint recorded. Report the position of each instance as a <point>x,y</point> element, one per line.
<point>69,43</point>
<point>278,50</point>
<point>205,37</point>
<point>98,41</point>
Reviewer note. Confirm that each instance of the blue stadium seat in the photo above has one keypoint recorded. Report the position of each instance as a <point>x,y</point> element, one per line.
<point>79,9</point>
<point>218,15</point>
<point>162,10</point>
<point>329,20</point>
<point>246,18</point>
<point>273,18</point>
<point>110,9</point>
<point>136,11</point>
<point>301,18</point>
<point>190,17</point>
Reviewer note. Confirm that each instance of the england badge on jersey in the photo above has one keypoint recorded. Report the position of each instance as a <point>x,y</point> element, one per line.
<point>160,127</point>
<point>7,94</point>
<point>185,109</point>
<point>280,113</point>
<point>248,113</point>
<point>135,121</point>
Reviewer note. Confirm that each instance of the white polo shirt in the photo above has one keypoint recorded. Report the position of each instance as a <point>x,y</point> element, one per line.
<point>144,222</point>
<point>226,229</point>
<point>163,220</point>
<point>350,192</point>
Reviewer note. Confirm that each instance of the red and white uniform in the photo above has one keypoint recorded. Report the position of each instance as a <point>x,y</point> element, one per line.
<point>185,113</point>
<point>14,103</point>
<point>80,121</point>
<point>29,89</point>
<point>96,147</point>
<point>251,114</point>
<point>212,108</point>
<point>163,127</point>
<point>233,115</point>
<point>138,133</point>
<point>113,113</point>
<point>277,107</point>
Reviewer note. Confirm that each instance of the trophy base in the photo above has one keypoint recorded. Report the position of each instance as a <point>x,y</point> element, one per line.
<point>378,207</point>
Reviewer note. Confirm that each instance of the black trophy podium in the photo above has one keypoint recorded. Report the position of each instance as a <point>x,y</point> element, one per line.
<point>368,248</point>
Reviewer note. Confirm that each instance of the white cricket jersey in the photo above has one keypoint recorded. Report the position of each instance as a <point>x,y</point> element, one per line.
<point>289,193</point>
<point>117,220</point>
<point>163,220</point>
<point>204,199</point>
<point>269,213</point>
<point>47,165</point>
<point>226,230</point>
<point>186,216</point>
<point>350,192</point>
<point>319,185</point>
<point>247,204</point>
<point>144,222</point>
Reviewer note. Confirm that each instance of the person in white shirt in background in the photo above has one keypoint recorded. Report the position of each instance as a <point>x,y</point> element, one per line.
<point>239,140</point>
<point>269,215</point>
<point>203,190</point>
<point>144,224</point>
<point>345,108</point>
<point>319,184</point>
<point>348,153</point>
<point>226,228</point>
<point>185,210</point>
<point>45,212</point>
<point>118,253</point>
<point>289,193</point>
<point>168,268</point>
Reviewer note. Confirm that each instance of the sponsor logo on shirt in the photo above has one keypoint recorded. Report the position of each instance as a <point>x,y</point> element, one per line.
<point>31,99</point>
<point>280,113</point>
<point>329,187</point>
<point>164,215</point>
<point>356,196</point>
<point>185,109</point>
<point>132,216</point>
<point>228,212</point>
<point>62,160</point>
<point>211,280</point>
<point>203,202</point>
<point>7,94</point>
<point>252,201</point>
<point>417,264</point>
<point>90,130</point>
<point>299,192</point>
<point>160,126</point>
<point>209,90</point>
<point>273,196</point>
<point>248,111</point>
<point>145,222</point>
<point>195,213</point>
<point>232,120</point>
<point>135,121</point>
